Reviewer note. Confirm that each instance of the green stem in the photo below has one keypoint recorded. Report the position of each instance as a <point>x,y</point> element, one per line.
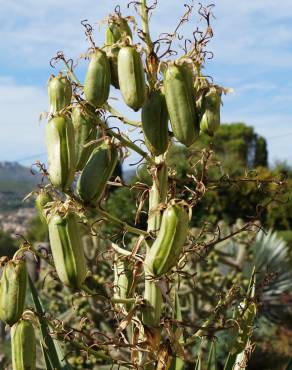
<point>129,144</point>
<point>117,221</point>
<point>145,26</point>
<point>120,250</point>
<point>112,300</point>
<point>122,118</point>
<point>71,73</point>
<point>35,252</point>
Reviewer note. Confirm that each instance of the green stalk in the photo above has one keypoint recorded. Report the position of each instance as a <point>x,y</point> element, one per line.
<point>145,26</point>
<point>152,293</point>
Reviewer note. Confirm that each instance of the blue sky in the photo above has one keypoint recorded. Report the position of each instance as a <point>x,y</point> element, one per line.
<point>252,54</point>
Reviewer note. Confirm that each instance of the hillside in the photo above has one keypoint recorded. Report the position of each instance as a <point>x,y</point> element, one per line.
<point>15,182</point>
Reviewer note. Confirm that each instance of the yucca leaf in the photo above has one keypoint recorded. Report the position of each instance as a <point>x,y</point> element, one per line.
<point>199,363</point>
<point>53,354</point>
<point>212,359</point>
<point>245,314</point>
<point>289,366</point>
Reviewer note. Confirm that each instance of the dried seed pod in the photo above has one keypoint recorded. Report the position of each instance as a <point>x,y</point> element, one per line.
<point>97,80</point>
<point>23,346</point>
<point>12,291</point>
<point>210,112</point>
<point>171,237</point>
<point>67,250</point>
<point>180,100</point>
<point>131,77</point>
<point>116,30</point>
<point>97,172</point>
<point>60,93</point>
<point>42,199</point>
<point>84,122</point>
<point>155,123</point>
<point>61,151</point>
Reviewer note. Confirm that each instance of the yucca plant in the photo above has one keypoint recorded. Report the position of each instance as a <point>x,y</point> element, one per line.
<point>129,289</point>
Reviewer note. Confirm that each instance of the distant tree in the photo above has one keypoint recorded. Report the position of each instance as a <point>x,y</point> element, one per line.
<point>8,245</point>
<point>236,146</point>
<point>239,141</point>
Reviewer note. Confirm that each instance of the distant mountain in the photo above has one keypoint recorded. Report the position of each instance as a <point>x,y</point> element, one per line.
<point>15,182</point>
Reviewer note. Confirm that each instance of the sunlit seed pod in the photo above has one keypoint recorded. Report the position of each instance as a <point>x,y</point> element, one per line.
<point>180,100</point>
<point>170,240</point>
<point>23,346</point>
<point>97,171</point>
<point>117,29</point>
<point>42,199</point>
<point>98,79</point>
<point>60,93</point>
<point>61,151</point>
<point>131,77</point>
<point>67,249</point>
<point>155,123</point>
<point>13,285</point>
<point>85,122</point>
<point>210,112</point>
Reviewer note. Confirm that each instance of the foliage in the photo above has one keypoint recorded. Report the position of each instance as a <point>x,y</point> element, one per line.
<point>8,245</point>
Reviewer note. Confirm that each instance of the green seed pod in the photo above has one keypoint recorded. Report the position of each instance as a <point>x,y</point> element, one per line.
<point>61,151</point>
<point>171,237</point>
<point>84,121</point>
<point>97,172</point>
<point>60,93</point>
<point>116,30</point>
<point>180,100</point>
<point>12,291</point>
<point>131,77</point>
<point>155,123</point>
<point>210,112</point>
<point>97,80</point>
<point>67,249</point>
<point>42,199</point>
<point>23,346</point>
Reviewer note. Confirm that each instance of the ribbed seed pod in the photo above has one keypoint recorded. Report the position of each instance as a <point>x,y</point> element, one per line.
<point>131,77</point>
<point>42,199</point>
<point>155,123</point>
<point>97,172</point>
<point>210,112</point>
<point>180,100</point>
<point>61,151</point>
<point>67,250</point>
<point>60,93</point>
<point>168,245</point>
<point>85,129</point>
<point>98,78</point>
<point>23,346</point>
<point>12,291</point>
<point>116,30</point>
